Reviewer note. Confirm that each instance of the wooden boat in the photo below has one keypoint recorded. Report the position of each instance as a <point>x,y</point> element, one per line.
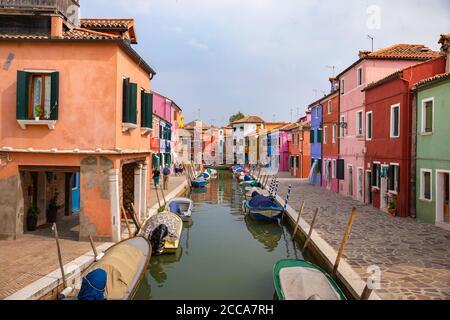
<point>271,213</point>
<point>212,172</point>
<point>125,264</point>
<point>182,207</point>
<point>174,225</point>
<point>199,183</point>
<point>302,280</point>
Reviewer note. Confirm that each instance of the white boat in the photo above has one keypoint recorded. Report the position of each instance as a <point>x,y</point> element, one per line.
<point>182,207</point>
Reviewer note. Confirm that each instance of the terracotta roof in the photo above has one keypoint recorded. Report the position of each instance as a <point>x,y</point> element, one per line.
<point>397,52</point>
<point>289,126</point>
<point>86,34</point>
<point>250,119</point>
<point>23,36</point>
<point>106,23</point>
<point>326,97</point>
<point>436,78</point>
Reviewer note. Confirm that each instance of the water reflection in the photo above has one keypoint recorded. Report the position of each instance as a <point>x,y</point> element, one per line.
<point>158,266</point>
<point>269,234</point>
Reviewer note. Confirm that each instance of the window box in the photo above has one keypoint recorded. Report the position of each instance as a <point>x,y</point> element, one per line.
<point>50,123</point>
<point>128,126</point>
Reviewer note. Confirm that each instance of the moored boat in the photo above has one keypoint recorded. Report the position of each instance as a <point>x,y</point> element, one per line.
<point>168,227</point>
<point>270,212</point>
<point>182,207</point>
<point>116,274</point>
<point>302,280</point>
<point>199,183</point>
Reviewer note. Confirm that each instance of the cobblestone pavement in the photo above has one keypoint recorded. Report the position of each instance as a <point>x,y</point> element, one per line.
<point>32,257</point>
<point>414,257</point>
<point>174,182</point>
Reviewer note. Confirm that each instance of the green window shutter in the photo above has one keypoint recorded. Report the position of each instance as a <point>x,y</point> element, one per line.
<point>23,79</point>
<point>133,103</point>
<point>311,136</point>
<point>54,96</point>
<point>319,136</point>
<point>147,110</point>
<point>125,100</point>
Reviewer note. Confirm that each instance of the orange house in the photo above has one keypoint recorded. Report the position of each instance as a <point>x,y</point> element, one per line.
<point>76,116</point>
<point>299,150</point>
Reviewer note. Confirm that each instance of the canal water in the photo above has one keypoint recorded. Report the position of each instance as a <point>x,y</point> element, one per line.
<point>223,254</point>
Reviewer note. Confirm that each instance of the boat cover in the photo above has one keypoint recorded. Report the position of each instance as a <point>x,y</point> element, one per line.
<point>174,207</point>
<point>172,223</point>
<point>262,202</point>
<point>120,264</point>
<point>248,178</point>
<point>93,286</point>
<point>300,283</point>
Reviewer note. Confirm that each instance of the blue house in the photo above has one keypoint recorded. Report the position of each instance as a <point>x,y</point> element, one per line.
<point>315,176</point>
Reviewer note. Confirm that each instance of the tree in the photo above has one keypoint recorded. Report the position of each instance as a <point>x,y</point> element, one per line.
<point>236,117</point>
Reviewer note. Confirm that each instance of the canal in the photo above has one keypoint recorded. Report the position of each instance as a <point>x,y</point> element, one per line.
<point>223,254</point>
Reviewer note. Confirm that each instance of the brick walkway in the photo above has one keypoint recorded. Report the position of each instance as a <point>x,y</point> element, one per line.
<point>414,257</point>
<point>32,257</point>
<point>174,182</point>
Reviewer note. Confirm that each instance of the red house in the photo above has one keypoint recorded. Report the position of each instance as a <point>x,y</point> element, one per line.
<point>389,143</point>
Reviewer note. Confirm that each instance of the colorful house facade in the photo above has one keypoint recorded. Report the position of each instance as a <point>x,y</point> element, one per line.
<point>316,144</point>
<point>432,97</point>
<point>370,67</point>
<point>389,142</point>
<point>330,144</point>
<point>242,129</point>
<point>70,105</point>
<point>299,150</point>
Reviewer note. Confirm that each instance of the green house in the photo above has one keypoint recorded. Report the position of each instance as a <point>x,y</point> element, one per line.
<point>433,150</point>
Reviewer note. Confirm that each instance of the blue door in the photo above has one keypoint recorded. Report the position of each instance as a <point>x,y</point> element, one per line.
<point>76,192</point>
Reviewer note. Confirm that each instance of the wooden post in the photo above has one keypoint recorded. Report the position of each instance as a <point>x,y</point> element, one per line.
<point>94,249</point>
<point>311,228</point>
<point>298,220</point>
<point>135,215</point>
<point>58,248</point>
<point>366,293</point>
<point>164,197</point>
<point>344,240</point>
<point>124,215</point>
<point>157,197</point>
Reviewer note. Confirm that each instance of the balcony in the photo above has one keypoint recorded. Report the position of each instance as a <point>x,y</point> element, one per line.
<point>67,8</point>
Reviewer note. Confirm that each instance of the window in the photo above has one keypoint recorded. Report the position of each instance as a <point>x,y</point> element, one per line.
<point>359,123</point>
<point>395,121</point>
<point>427,115</point>
<point>316,110</point>
<point>146,110</point>
<point>242,128</point>
<point>330,107</point>
<point>325,135</point>
<point>334,134</point>
<point>342,86</point>
<point>350,180</point>
<point>129,102</point>
<point>425,185</point>
<point>360,76</point>
<point>369,124</point>
<point>37,95</point>
<point>394,177</point>
<point>341,127</point>
<point>311,136</point>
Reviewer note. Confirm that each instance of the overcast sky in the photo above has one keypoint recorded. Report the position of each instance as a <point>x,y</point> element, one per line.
<point>263,57</point>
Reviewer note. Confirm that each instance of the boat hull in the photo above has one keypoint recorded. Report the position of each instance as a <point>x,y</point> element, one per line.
<point>269,214</point>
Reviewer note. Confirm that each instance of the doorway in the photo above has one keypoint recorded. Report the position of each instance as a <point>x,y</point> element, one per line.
<point>369,199</point>
<point>350,180</point>
<point>442,197</point>
<point>384,188</point>
<point>360,184</point>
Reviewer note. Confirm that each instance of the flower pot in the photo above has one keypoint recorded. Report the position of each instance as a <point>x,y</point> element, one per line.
<point>32,223</point>
<point>37,118</point>
<point>52,212</point>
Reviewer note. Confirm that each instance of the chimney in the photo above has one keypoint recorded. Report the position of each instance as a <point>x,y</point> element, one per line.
<point>445,49</point>
<point>334,84</point>
<point>56,27</point>
<point>363,53</point>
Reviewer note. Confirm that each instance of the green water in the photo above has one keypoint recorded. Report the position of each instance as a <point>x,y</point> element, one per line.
<point>223,254</point>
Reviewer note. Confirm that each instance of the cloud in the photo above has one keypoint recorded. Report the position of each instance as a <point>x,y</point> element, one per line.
<point>198,45</point>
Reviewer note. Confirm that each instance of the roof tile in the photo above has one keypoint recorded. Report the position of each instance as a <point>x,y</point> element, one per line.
<point>106,23</point>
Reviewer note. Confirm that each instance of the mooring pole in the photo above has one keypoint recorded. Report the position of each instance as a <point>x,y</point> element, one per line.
<point>298,220</point>
<point>344,240</point>
<point>311,228</point>
<point>58,248</point>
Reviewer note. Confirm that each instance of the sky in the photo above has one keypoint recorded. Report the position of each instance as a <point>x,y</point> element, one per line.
<point>270,58</point>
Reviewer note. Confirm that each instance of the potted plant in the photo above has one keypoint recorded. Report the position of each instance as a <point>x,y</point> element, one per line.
<point>53,208</point>
<point>32,218</point>
<point>38,113</point>
<point>392,206</point>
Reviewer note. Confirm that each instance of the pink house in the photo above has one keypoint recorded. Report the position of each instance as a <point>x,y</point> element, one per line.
<point>371,67</point>
<point>285,137</point>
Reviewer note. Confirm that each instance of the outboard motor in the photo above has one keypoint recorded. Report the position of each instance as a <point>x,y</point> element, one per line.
<point>157,239</point>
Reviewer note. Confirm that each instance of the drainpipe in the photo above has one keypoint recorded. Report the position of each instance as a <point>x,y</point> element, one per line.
<point>144,190</point>
<point>116,222</point>
<point>138,190</point>
<point>412,210</point>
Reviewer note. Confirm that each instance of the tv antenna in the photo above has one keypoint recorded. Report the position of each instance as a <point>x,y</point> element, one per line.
<point>371,38</point>
<point>332,68</point>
